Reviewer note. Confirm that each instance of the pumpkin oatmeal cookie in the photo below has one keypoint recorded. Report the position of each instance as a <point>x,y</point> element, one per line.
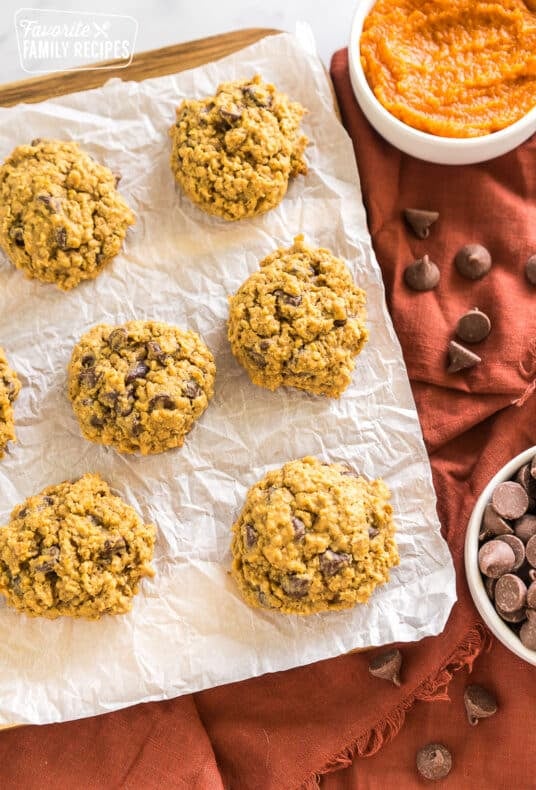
<point>9,389</point>
<point>234,153</point>
<point>75,549</point>
<point>299,321</point>
<point>141,386</point>
<point>61,217</point>
<point>313,537</point>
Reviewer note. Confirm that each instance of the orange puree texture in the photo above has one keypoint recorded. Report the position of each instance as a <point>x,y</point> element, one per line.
<point>455,68</point>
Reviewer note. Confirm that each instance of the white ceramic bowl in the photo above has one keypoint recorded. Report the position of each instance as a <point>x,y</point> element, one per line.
<point>430,147</point>
<point>472,571</point>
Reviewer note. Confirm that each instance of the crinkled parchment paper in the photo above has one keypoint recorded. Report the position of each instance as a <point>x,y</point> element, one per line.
<point>189,629</point>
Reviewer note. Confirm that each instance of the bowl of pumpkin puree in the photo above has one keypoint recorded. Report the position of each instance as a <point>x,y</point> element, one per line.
<point>448,81</point>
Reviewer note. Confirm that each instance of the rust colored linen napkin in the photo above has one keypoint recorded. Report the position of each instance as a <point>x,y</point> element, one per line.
<point>289,730</point>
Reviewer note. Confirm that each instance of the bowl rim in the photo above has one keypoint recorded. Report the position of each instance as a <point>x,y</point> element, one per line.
<point>443,143</point>
<point>474,579</point>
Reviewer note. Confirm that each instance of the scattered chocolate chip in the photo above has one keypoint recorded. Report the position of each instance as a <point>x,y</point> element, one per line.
<point>373,532</point>
<point>250,536</point>
<point>434,761</point>
<point>510,593</point>
<point>117,176</point>
<point>154,351</point>
<point>532,574</point>
<point>340,322</point>
<point>525,479</point>
<point>331,562</point>
<point>96,422</point>
<point>517,547</point>
<point>192,389</point>
<point>16,233</point>
<point>511,617</point>
<point>251,92</point>
<point>461,358</point>
<point>420,221</point>
<point>256,358</point>
<point>510,500</point>
<point>495,558</point>
<point>473,327</point>
<point>479,703</point>
<point>387,666</point>
<point>137,371</point>
<point>298,527</point>
<point>530,551</point>
<point>531,596</point>
<point>530,270</point>
<point>490,585</point>
<point>117,338</point>
<point>263,600</point>
<point>136,427</point>
<point>527,634</point>
<point>52,203</point>
<point>23,512</point>
<point>264,345</point>
<point>35,141</point>
<point>296,586</point>
<point>88,360</point>
<point>162,401</point>
<point>51,558</point>
<point>61,238</point>
<point>109,398</point>
<point>88,378</point>
<point>113,546</point>
<point>473,261</point>
<point>422,275</point>
<point>493,524</point>
<point>231,113</point>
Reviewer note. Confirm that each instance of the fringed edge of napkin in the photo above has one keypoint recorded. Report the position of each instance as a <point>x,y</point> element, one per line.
<point>476,640</point>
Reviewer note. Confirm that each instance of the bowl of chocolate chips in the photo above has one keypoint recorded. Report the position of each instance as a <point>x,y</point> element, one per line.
<point>500,555</point>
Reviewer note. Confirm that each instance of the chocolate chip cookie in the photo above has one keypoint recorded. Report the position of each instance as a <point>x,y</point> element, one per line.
<point>9,389</point>
<point>61,217</point>
<point>75,549</point>
<point>141,386</point>
<point>234,153</point>
<point>299,321</point>
<point>313,537</point>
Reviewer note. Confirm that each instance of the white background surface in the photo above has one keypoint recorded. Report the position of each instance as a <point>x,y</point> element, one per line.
<point>164,22</point>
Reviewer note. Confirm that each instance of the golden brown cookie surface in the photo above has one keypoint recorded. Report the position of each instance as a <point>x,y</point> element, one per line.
<point>299,321</point>
<point>140,386</point>
<point>61,217</point>
<point>313,537</point>
<point>75,549</point>
<point>234,153</point>
<point>9,389</point>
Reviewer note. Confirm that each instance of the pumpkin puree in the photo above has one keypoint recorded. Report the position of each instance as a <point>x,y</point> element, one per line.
<point>455,68</point>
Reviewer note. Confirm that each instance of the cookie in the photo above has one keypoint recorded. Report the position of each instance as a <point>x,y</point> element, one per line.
<point>61,217</point>
<point>313,537</point>
<point>234,153</point>
<point>141,386</point>
<point>9,389</point>
<point>76,549</point>
<point>299,321</point>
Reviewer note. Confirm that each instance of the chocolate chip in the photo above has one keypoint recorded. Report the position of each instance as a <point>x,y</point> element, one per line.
<point>525,527</point>
<point>510,500</point>
<point>88,360</point>
<point>530,551</point>
<point>192,389</point>
<point>88,378</point>
<point>473,327</point>
<point>473,261</point>
<point>511,617</point>
<point>137,371</point>
<point>461,358</point>
<point>22,513</point>
<point>479,703</point>
<point>110,398</point>
<point>117,338</point>
<point>117,176</point>
<point>530,270</point>
<point>331,562</point>
<point>490,585</point>
<point>517,547</point>
<point>162,401</point>
<point>527,634</point>
<point>35,141</point>
<point>61,238</point>
<point>154,351</point>
<point>113,546</point>
<point>373,532</point>
<point>250,536</point>
<point>264,345</point>
<point>231,113</point>
<point>434,761</point>
<point>96,422</point>
<point>251,92</point>
<point>16,233</point>
<point>51,558</point>
<point>525,479</point>
<point>420,221</point>
<point>340,322</point>
<point>495,558</point>
<point>262,599</point>
<point>533,468</point>
<point>493,524</point>
<point>422,275</point>
<point>510,593</point>
<point>136,427</point>
<point>387,666</point>
<point>294,301</point>
<point>296,586</point>
<point>531,595</point>
<point>52,203</point>
<point>298,527</point>
<point>256,358</point>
